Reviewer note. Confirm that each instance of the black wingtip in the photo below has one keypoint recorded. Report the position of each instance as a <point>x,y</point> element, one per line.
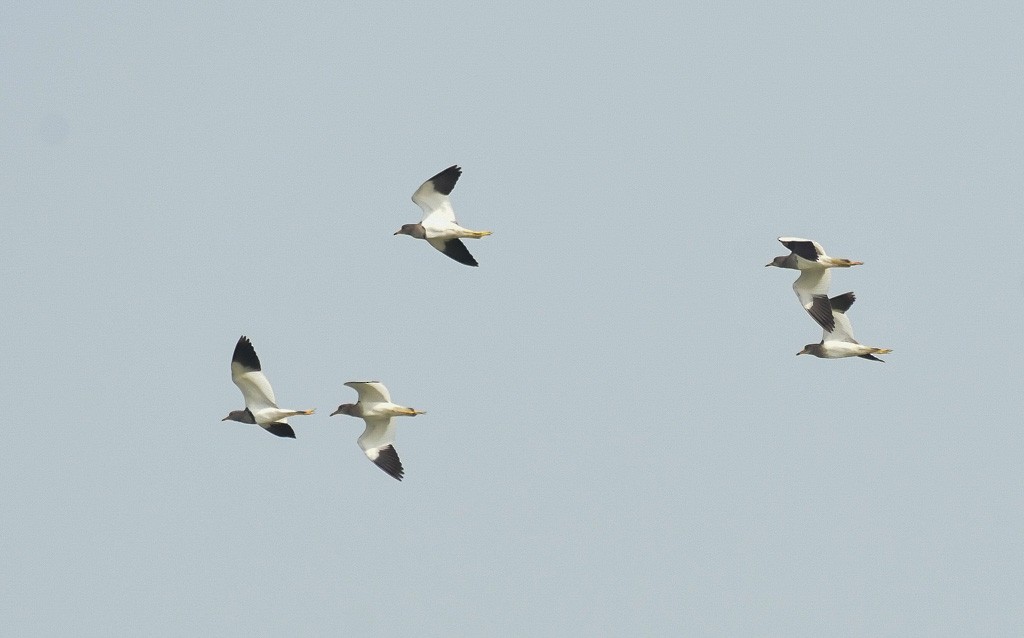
<point>445,181</point>
<point>871,357</point>
<point>841,303</point>
<point>387,460</point>
<point>821,311</point>
<point>280,429</point>
<point>803,249</point>
<point>245,354</point>
<point>455,249</point>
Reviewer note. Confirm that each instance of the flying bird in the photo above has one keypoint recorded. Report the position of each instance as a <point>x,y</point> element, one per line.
<point>811,286</point>
<point>438,225</point>
<point>260,405</point>
<point>839,343</point>
<point>376,409</point>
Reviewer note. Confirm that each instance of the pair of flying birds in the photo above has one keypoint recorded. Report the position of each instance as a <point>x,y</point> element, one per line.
<point>374,407</point>
<point>811,289</point>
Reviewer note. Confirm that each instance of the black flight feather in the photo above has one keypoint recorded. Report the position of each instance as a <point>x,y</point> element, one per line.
<point>444,181</point>
<point>280,429</point>
<point>841,303</point>
<point>821,311</point>
<point>803,249</point>
<point>387,460</point>
<point>455,249</point>
<point>245,354</point>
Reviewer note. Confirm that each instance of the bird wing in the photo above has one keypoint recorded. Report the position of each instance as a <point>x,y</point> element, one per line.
<point>376,442</point>
<point>432,196</point>
<point>248,376</point>
<point>811,289</point>
<point>279,429</point>
<point>370,391</point>
<point>805,248</point>
<point>842,331</point>
<point>455,249</point>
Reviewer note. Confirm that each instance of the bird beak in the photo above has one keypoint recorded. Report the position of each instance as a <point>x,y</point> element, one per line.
<point>398,232</point>
<point>224,419</point>
<point>335,412</point>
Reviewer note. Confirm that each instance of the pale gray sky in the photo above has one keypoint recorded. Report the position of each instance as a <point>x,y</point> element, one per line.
<point>619,438</point>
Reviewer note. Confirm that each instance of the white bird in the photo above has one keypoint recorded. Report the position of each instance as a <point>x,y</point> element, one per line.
<point>811,286</point>
<point>260,405</point>
<point>839,343</point>
<point>376,409</point>
<point>438,225</point>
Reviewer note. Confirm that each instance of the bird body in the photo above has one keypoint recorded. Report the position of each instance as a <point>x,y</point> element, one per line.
<point>376,410</point>
<point>839,342</point>
<point>260,403</point>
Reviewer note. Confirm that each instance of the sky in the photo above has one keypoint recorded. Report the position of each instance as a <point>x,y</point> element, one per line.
<point>619,439</point>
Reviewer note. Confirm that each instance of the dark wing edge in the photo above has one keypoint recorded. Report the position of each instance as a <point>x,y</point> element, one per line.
<point>455,249</point>
<point>803,249</point>
<point>841,303</point>
<point>387,460</point>
<point>871,357</point>
<point>445,181</point>
<point>245,354</point>
<point>280,429</point>
<point>821,311</point>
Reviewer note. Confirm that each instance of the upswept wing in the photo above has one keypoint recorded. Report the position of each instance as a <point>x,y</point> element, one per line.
<point>432,196</point>
<point>805,248</point>
<point>247,374</point>
<point>843,331</point>
<point>370,392</point>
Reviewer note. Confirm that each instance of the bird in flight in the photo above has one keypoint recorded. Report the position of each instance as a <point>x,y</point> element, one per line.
<point>438,225</point>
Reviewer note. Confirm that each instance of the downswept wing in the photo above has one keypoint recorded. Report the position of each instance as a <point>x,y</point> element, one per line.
<point>279,429</point>
<point>377,441</point>
<point>811,288</point>
<point>455,249</point>
<point>432,196</point>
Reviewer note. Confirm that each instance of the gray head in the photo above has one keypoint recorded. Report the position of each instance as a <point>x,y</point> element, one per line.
<point>242,416</point>
<point>413,230</point>
<point>784,261</point>
<point>816,349</point>
<point>350,409</point>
